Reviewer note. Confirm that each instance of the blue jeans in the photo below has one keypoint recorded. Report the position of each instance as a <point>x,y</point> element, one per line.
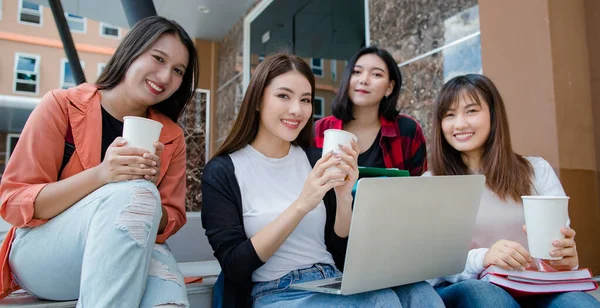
<point>477,293</point>
<point>101,251</point>
<point>277,293</point>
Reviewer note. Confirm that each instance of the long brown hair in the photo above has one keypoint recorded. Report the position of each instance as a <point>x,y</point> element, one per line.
<point>137,41</point>
<point>245,128</point>
<point>507,174</point>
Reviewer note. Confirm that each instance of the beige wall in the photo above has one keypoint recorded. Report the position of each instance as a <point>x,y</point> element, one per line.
<point>50,66</point>
<point>537,53</point>
<point>48,30</point>
<point>44,41</point>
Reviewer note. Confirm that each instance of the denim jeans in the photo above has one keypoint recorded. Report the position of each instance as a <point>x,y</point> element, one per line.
<point>277,293</point>
<point>101,251</point>
<point>477,293</point>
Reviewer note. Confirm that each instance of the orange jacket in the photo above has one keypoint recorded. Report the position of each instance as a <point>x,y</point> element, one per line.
<point>38,155</point>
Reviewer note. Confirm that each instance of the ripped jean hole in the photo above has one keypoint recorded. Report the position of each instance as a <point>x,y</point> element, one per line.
<point>161,271</point>
<point>138,216</point>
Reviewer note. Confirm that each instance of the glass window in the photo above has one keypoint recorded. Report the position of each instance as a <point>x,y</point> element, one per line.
<point>67,78</point>
<point>319,106</point>
<point>26,73</point>
<point>101,67</point>
<point>316,64</point>
<point>333,69</point>
<point>76,23</point>
<point>30,13</point>
<point>108,30</point>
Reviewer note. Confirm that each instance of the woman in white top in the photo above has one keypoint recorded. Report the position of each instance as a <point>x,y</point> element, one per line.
<point>471,136</point>
<point>272,219</point>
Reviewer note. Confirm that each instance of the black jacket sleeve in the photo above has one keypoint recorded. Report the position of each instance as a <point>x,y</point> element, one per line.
<point>222,220</point>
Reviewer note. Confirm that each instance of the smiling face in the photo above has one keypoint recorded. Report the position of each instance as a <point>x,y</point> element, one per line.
<point>158,72</point>
<point>370,81</point>
<point>466,125</point>
<point>285,107</point>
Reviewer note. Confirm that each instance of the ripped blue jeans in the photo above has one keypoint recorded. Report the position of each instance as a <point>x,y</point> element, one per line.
<point>102,252</point>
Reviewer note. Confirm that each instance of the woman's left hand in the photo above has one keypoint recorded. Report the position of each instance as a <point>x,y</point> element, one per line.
<point>350,158</point>
<point>156,159</point>
<point>565,248</point>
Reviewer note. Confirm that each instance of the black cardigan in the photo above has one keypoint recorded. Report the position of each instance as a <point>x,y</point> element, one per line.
<point>222,219</point>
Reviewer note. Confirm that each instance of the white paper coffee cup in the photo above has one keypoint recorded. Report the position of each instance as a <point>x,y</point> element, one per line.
<point>333,139</point>
<point>141,132</point>
<point>544,217</point>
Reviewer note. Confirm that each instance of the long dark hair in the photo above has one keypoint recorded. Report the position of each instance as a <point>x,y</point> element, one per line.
<point>342,106</point>
<point>137,41</point>
<point>507,174</point>
<point>245,128</point>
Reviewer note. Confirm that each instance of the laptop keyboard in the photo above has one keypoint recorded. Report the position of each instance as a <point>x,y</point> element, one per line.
<point>334,285</point>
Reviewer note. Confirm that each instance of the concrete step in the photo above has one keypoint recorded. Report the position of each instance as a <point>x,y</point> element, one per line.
<point>199,294</point>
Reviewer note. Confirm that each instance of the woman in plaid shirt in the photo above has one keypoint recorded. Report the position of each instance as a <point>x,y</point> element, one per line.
<point>365,105</point>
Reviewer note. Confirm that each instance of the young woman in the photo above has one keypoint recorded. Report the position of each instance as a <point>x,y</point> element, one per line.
<point>471,136</point>
<point>86,224</point>
<point>366,106</point>
<point>272,218</point>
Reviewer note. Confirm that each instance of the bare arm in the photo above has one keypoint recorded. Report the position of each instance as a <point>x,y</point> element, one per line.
<point>56,197</point>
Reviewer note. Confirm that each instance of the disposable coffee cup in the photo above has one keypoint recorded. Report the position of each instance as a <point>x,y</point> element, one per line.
<point>141,132</point>
<point>333,139</point>
<point>544,217</point>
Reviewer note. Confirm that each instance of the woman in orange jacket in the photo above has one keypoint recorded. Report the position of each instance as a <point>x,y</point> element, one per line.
<point>86,220</point>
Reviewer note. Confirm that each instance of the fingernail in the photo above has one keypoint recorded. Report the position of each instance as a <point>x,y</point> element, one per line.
<point>528,265</point>
<point>522,268</point>
<point>142,166</point>
<point>153,163</point>
<point>555,243</point>
<point>153,171</point>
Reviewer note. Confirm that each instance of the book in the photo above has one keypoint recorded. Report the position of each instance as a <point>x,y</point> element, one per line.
<point>381,172</point>
<point>518,289</point>
<point>537,275</point>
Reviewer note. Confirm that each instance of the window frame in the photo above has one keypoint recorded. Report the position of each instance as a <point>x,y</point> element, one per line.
<point>313,67</point>
<point>101,66</point>
<point>36,71</point>
<point>107,25</point>
<point>76,18</point>
<point>322,115</point>
<point>333,69</point>
<point>9,137</point>
<point>63,71</point>
<point>21,10</point>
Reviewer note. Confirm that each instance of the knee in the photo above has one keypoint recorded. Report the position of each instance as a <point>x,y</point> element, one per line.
<point>140,208</point>
<point>483,291</point>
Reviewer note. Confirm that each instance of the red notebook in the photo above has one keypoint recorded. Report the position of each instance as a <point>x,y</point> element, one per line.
<point>517,288</point>
<point>537,275</point>
<point>524,283</point>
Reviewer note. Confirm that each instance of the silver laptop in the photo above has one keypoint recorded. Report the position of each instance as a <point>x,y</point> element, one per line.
<point>406,230</point>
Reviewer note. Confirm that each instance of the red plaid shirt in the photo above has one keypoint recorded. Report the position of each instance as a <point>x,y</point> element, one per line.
<point>402,142</point>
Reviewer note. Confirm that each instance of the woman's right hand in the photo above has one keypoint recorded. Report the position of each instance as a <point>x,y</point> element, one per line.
<point>508,255</point>
<point>124,163</point>
<point>320,182</point>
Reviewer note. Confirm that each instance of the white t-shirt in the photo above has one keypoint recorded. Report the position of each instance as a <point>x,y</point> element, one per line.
<point>503,220</point>
<point>268,186</point>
